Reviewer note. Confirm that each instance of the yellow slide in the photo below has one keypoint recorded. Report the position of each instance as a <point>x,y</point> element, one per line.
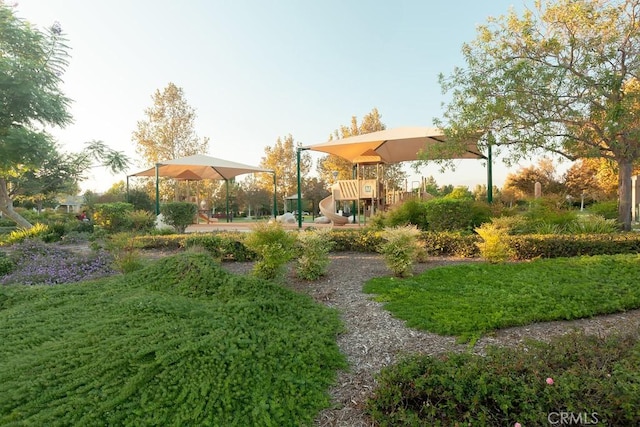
<point>328,209</point>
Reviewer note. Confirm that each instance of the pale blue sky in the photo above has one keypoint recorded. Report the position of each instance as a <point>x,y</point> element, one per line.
<point>257,70</point>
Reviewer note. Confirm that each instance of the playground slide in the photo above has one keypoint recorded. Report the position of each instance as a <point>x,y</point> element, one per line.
<point>328,208</point>
<point>204,217</point>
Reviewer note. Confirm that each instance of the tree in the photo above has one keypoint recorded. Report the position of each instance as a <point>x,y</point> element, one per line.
<point>313,192</point>
<point>33,63</point>
<point>561,78</point>
<point>523,182</point>
<point>282,158</point>
<point>592,180</point>
<point>168,132</point>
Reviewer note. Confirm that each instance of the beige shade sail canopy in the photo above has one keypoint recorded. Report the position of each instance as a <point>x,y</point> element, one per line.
<point>199,167</point>
<point>395,145</point>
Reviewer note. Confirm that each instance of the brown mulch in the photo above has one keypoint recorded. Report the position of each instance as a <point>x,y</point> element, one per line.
<point>374,339</point>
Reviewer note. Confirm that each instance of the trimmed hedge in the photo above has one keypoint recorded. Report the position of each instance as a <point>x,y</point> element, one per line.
<point>230,245</point>
<point>569,245</point>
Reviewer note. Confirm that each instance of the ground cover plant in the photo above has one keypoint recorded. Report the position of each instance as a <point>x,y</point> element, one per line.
<point>35,263</point>
<point>473,299</point>
<point>180,342</point>
<point>592,381</point>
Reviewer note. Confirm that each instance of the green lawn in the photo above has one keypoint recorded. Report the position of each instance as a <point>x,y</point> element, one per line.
<point>180,342</point>
<point>472,299</point>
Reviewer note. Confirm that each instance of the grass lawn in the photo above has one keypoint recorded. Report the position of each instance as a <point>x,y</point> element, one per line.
<point>473,299</point>
<point>181,342</point>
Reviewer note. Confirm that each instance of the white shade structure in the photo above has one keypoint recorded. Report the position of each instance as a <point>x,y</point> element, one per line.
<point>198,167</point>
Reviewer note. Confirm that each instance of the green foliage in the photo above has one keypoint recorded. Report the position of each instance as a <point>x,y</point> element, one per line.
<point>22,234</point>
<point>593,224</point>
<point>412,211</point>
<point>113,217</point>
<point>473,299</point>
<point>125,251</point>
<point>141,201</point>
<point>179,214</point>
<point>494,246</point>
<point>141,221</point>
<point>450,243</point>
<point>313,259</point>
<point>450,214</point>
<point>589,375</point>
<point>6,265</point>
<point>181,342</point>
<point>607,209</point>
<point>401,249</point>
<point>222,246</point>
<point>358,240</point>
<point>568,245</point>
<point>275,247</point>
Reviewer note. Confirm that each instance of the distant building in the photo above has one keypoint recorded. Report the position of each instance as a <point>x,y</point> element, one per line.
<point>71,204</point>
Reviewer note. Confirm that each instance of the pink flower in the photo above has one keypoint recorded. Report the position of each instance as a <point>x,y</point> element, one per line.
<point>517,425</point>
<point>550,381</point>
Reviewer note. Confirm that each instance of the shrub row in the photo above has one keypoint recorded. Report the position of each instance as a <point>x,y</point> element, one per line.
<point>230,245</point>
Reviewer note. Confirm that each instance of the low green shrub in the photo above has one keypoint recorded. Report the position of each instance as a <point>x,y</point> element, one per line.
<point>274,246</point>
<point>179,214</point>
<point>401,249</point>
<point>607,209</point>
<point>125,251</point>
<point>113,217</point>
<point>141,221</point>
<point>313,258</point>
<point>450,243</point>
<point>568,245</point>
<point>357,240</point>
<point>413,211</point>
<point>494,246</point>
<point>593,224</point>
<point>449,214</point>
<point>575,373</point>
<point>21,234</point>
<point>161,241</point>
<point>223,246</point>
<point>6,265</point>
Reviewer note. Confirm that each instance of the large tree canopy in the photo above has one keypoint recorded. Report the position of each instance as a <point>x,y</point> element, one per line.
<point>169,130</point>
<point>32,63</point>
<point>560,78</point>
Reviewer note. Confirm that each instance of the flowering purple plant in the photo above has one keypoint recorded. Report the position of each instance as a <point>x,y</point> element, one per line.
<point>37,263</point>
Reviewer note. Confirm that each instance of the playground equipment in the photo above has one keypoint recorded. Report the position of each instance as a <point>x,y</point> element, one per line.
<point>368,190</point>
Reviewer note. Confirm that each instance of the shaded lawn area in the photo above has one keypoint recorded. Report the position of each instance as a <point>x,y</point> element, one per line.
<point>181,342</point>
<point>473,299</point>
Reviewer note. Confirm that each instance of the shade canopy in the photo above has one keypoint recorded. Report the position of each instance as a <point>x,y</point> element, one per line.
<point>393,146</point>
<point>199,167</point>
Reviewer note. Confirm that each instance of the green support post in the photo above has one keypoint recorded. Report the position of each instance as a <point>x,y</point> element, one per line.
<point>227,197</point>
<point>298,151</point>
<point>157,189</point>
<point>275,199</point>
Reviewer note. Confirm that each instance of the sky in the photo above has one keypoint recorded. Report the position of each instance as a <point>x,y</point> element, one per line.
<point>258,70</point>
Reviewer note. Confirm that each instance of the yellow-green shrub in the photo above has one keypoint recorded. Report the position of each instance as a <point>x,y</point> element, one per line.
<point>401,249</point>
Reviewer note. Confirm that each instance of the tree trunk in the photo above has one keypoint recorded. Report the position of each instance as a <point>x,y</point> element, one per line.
<point>6,206</point>
<point>624,194</point>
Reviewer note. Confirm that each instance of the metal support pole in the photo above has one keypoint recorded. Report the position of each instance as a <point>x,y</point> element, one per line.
<point>489,170</point>
<point>157,189</point>
<point>356,203</point>
<point>275,199</point>
<point>227,198</point>
<point>298,151</point>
